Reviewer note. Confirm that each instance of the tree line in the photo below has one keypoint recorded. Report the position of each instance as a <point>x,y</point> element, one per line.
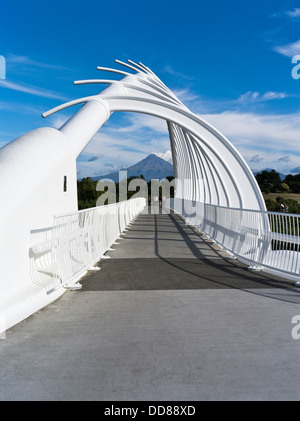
<point>88,194</point>
<point>268,181</point>
<point>271,182</point>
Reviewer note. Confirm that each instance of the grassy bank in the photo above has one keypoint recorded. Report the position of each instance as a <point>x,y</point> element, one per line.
<point>286,196</point>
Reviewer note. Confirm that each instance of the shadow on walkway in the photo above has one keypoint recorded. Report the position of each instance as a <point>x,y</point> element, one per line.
<point>202,266</point>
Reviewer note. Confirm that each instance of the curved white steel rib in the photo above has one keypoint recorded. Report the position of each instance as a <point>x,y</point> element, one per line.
<point>207,166</point>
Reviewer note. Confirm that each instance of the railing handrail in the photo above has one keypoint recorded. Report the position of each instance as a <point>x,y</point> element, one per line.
<point>245,209</point>
<point>60,215</point>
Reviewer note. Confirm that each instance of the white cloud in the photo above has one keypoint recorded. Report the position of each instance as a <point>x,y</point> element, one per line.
<point>29,89</point>
<point>288,50</point>
<point>123,145</point>
<point>274,95</point>
<point>96,158</point>
<point>295,13</point>
<point>22,108</point>
<point>282,130</point>
<point>256,158</point>
<point>185,95</point>
<point>270,141</point>
<point>285,158</point>
<point>258,97</point>
<point>268,138</point>
<point>171,71</point>
<point>27,61</point>
<point>167,156</point>
<point>137,122</point>
<point>262,139</point>
<point>118,149</point>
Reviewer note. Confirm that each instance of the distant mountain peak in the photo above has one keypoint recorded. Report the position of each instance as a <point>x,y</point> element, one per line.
<point>151,167</point>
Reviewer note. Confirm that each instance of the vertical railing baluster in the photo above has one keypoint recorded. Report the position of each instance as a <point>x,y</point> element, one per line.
<point>77,242</point>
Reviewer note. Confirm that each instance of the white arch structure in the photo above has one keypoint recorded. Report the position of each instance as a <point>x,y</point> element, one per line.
<point>214,170</point>
<point>38,180</point>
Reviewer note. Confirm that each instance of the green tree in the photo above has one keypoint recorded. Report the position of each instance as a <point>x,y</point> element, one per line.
<point>284,187</point>
<point>86,191</point>
<point>272,206</point>
<point>269,180</point>
<point>293,181</point>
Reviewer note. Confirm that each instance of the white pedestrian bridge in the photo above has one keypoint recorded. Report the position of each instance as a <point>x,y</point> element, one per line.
<point>47,245</point>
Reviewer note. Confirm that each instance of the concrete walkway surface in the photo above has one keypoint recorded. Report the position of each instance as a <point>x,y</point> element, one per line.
<point>168,317</point>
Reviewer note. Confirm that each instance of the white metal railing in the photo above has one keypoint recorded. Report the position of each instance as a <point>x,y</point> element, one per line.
<point>81,238</point>
<point>262,239</point>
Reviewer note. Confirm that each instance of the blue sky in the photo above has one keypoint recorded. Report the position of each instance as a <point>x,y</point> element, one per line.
<point>228,61</point>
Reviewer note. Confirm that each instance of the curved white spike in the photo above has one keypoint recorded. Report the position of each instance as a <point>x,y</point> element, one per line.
<point>98,81</point>
<point>161,91</point>
<point>120,72</point>
<point>146,68</point>
<point>135,64</point>
<point>101,82</point>
<point>163,97</point>
<point>69,104</point>
<point>128,65</point>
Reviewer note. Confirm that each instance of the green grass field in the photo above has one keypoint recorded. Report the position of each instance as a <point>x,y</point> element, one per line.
<point>273,196</point>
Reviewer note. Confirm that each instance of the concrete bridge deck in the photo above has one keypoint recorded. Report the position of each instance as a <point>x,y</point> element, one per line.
<point>168,317</point>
